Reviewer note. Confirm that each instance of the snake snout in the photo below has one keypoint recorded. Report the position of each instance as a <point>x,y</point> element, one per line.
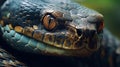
<point>96,19</point>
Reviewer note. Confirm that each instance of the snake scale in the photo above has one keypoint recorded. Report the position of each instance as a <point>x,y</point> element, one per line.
<point>58,33</point>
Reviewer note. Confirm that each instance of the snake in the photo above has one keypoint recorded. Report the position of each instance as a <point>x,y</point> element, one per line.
<point>56,28</point>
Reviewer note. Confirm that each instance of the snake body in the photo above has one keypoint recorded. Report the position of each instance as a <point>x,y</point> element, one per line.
<point>63,28</point>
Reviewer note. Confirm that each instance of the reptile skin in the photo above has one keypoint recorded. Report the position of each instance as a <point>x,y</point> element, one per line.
<point>57,28</point>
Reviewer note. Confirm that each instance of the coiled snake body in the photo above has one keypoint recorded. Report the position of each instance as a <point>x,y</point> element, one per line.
<point>57,28</point>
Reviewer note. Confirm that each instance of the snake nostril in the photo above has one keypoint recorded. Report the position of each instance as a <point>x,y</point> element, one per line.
<point>79,32</point>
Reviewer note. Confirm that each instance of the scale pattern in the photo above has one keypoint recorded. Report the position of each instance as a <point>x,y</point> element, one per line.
<point>25,15</point>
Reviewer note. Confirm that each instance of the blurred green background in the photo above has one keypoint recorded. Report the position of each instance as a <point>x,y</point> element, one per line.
<point>111,11</point>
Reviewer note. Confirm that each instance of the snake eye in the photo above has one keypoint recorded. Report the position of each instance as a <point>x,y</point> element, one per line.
<point>49,22</point>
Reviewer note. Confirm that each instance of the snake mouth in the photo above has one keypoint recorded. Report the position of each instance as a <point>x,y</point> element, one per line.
<point>68,43</point>
<point>63,47</point>
<point>64,40</point>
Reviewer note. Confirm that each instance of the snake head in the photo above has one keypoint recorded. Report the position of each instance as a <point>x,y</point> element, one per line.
<point>61,28</point>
